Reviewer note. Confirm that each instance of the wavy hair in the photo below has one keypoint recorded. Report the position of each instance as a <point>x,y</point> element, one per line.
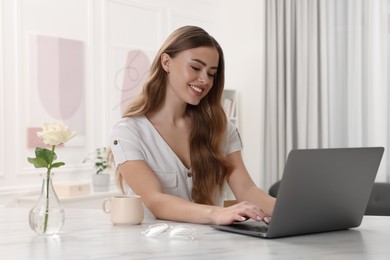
<point>208,163</point>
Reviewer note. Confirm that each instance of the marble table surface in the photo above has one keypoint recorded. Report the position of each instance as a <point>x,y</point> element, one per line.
<point>89,234</point>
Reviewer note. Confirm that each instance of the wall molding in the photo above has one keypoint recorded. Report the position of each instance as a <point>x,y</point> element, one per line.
<point>90,74</point>
<point>18,73</point>
<point>157,10</point>
<point>2,96</point>
<point>23,72</point>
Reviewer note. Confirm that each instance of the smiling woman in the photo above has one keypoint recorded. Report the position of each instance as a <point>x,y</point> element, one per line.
<point>175,147</point>
<point>197,66</point>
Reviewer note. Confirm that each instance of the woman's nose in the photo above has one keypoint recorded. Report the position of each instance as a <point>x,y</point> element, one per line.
<point>203,78</point>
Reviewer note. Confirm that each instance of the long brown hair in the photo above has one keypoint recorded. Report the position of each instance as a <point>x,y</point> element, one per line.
<point>208,164</point>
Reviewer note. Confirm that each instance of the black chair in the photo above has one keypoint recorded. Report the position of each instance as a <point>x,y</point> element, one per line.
<point>273,190</point>
<point>379,202</point>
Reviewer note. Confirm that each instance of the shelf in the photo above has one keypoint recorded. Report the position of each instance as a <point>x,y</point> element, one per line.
<point>230,106</point>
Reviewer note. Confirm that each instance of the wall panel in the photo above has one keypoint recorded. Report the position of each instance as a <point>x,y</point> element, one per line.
<point>134,35</point>
<point>2,127</point>
<point>63,25</point>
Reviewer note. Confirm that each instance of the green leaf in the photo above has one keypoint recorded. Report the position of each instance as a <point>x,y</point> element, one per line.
<point>57,164</point>
<point>38,162</point>
<point>45,154</point>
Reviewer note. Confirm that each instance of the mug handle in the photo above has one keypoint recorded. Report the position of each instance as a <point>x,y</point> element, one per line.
<point>104,206</point>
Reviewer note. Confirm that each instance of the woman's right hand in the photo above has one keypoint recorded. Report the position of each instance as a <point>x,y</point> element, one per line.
<point>238,212</point>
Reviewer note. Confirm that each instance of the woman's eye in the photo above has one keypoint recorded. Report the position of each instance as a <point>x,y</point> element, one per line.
<point>211,75</point>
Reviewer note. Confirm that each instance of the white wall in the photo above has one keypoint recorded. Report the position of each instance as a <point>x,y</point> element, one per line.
<point>106,26</point>
<point>242,37</point>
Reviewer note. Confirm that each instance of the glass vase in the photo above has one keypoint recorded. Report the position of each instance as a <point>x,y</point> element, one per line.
<point>47,216</point>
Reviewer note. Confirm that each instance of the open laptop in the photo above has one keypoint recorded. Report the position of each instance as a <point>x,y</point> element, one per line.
<point>321,190</point>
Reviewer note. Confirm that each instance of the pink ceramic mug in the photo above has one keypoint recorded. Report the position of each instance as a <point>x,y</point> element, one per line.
<point>124,209</point>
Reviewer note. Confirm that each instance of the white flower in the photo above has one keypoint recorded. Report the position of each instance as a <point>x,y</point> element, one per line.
<point>55,133</point>
<point>52,134</point>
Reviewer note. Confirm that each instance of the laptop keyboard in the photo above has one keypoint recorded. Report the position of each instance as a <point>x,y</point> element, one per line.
<point>253,226</point>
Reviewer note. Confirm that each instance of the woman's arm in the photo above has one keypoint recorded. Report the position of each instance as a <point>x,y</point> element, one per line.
<point>143,182</point>
<point>245,189</point>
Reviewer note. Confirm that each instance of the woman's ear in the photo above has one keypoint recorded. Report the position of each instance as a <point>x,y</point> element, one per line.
<point>165,61</point>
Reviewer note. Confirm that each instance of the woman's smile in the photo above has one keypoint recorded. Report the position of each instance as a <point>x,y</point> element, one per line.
<point>197,90</point>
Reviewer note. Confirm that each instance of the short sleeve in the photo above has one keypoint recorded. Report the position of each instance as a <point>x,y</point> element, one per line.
<point>125,143</point>
<point>234,142</point>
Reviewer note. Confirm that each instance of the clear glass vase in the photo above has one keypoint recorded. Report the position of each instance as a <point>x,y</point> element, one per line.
<point>47,216</point>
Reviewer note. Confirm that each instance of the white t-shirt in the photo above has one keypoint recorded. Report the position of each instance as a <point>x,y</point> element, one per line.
<point>136,138</point>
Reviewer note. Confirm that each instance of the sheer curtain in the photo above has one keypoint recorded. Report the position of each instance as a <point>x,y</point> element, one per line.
<point>359,86</point>
<point>326,83</point>
<point>296,87</point>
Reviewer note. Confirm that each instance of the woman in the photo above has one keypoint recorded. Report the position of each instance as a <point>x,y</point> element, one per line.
<point>175,147</point>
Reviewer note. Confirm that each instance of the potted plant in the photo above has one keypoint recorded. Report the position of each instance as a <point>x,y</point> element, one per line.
<point>100,179</point>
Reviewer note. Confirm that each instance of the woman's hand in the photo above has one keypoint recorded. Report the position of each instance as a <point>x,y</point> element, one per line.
<point>238,212</point>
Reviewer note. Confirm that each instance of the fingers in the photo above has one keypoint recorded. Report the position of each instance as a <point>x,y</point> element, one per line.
<point>239,218</point>
<point>245,210</point>
<point>238,212</point>
<point>267,220</point>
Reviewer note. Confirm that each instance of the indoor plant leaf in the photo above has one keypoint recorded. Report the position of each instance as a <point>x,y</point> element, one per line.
<point>38,162</point>
<point>57,164</point>
<point>45,154</point>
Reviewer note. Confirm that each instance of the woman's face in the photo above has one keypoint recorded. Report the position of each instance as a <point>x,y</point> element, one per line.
<point>191,73</point>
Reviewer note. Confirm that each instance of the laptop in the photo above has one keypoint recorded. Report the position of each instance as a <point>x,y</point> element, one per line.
<point>321,190</point>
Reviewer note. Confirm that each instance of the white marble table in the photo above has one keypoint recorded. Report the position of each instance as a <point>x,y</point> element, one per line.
<point>89,234</point>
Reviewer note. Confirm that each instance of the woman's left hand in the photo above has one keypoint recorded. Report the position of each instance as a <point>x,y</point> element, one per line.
<point>239,212</point>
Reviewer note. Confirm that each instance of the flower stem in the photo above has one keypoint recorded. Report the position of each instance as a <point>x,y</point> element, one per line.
<point>47,188</point>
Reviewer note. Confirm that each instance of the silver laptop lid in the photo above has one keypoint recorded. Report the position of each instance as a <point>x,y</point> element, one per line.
<point>324,190</point>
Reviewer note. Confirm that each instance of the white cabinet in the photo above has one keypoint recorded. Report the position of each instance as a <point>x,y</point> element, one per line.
<point>229,103</point>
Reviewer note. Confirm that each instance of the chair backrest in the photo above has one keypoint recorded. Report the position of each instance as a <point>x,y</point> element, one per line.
<point>379,202</point>
<point>273,190</point>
